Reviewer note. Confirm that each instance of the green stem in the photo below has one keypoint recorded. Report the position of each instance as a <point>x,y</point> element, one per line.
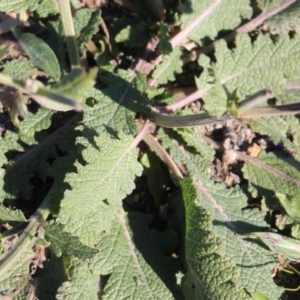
<point>26,239</point>
<point>66,15</point>
<point>254,100</point>
<point>184,121</point>
<point>272,110</point>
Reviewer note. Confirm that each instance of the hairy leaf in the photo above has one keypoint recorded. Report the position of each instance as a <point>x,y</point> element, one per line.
<point>46,8</point>
<point>170,66</point>
<point>63,242</point>
<point>131,253</point>
<point>88,208</point>
<point>117,104</point>
<point>250,67</point>
<point>209,275</point>
<point>19,70</point>
<point>134,35</point>
<point>278,129</point>
<point>10,216</point>
<point>83,285</point>
<point>225,208</point>
<point>18,5</point>
<point>86,24</point>
<point>34,123</point>
<point>213,16</point>
<point>39,53</point>
<point>275,172</point>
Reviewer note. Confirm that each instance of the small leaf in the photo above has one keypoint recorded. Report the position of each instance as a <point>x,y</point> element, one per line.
<point>170,66</point>
<point>39,53</point>
<point>290,204</point>
<point>134,35</point>
<point>86,24</point>
<point>34,123</point>
<point>47,8</point>
<point>164,45</point>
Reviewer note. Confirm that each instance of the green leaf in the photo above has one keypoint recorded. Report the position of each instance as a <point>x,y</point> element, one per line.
<point>279,244</point>
<point>117,104</point>
<point>39,53</point>
<point>209,274</point>
<point>39,121</point>
<point>170,66</point>
<point>133,256</point>
<point>83,285</point>
<point>47,8</point>
<point>16,274</point>
<point>19,70</point>
<point>86,24</point>
<point>259,296</point>
<point>164,45</point>
<point>285,21</point>
<point>134,35</point>
<point>273,172</point>
<point>212,15</point>
<point>157,176</point>
<point>64,243</point>
<point>18,175</point>
<point>278,129</point>
<point>290,204</point>
<point>224,206</point>
<point>250,67</point>
<point>18,5</point>
<point>10,216</point>
<point>193,139</point>
<point>110,163</point>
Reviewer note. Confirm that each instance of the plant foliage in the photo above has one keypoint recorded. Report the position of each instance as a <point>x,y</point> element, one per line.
<point>97,201</point>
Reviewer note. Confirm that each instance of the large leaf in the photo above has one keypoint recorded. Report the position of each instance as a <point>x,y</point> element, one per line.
<point>133,256</point>
<point>19,5</point>
<point>213,16</point>
<point>98,186</point>
<point>247,68</point>
<point>117,104</point>
<point>225,209</point>
<point>209,274</point>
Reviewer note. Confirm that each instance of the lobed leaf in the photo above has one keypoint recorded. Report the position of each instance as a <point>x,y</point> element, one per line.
<point>213,16</point>
<point>209,274</point>
<point>117,104</point>
<point>170,66</point>
<point>224,207</point>
<point>250,67</point>
<point>18,5</point>
<point>86,24</point>
<point>19,70</point>
<point>62,242</point>
<point>97,187</point>
<point>133,256</point>
<point>82,285</point>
